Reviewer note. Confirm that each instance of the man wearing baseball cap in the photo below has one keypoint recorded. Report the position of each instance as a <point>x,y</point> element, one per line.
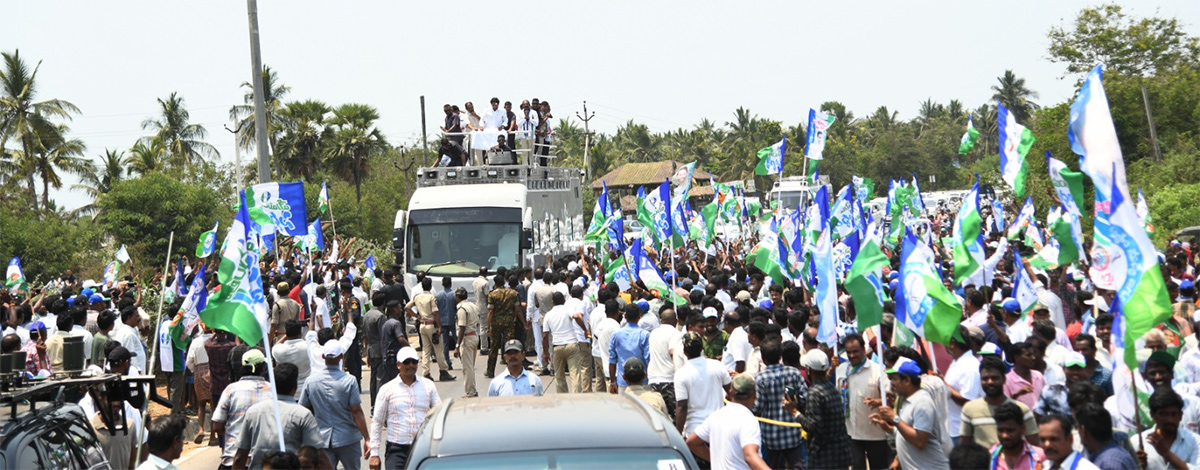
<point>919,439</point>
<point>401,407</point>
<point>514,380</point>
<point>731,433</point>
<point>333,396</point>
<point>228,418</point>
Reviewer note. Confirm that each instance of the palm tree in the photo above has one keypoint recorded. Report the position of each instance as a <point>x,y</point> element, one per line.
<point>637,143</point>
<point>25,119</point>
<point>354,140</point>
<point>955,111</point>
<point>145,156</point>
<point>304,131</point>
<point>1014,95</point>
<point>59,154</point>
<point>181,139</point>
<point>101,180</point>
<point>243,114</point>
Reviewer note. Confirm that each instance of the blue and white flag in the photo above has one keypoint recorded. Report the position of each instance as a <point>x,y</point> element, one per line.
<point>818,129</point>
<point>314,240</point>
<point>14,276</point>
<point>122,255</point>
<point>370,263</point>
<point>278,208</point>
<point>770,159</point>
<point>827,298</point>
<point>196,300</point>
<point>110,273</point>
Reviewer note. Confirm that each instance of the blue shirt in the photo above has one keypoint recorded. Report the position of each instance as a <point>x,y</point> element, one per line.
<point>627,342</point>
<point>505,385</point>
<point>446,311</point>
<point>330,393</point>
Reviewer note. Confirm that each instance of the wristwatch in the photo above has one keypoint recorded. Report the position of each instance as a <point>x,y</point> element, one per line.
<point>896,419</point>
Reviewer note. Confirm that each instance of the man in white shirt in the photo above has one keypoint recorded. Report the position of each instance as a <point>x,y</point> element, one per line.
<point>607,324</point>
<point>560,333</point>
<point>497,119</point>
<point>700,386</point>
<point>660,373</point>
<point>962,380</point>
<point>126,334</point>
<point>577,306</point>
<point>732,433</point>
<point>976,308</point>
<point>738,348</point>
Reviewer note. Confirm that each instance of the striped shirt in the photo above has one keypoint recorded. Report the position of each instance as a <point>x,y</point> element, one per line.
<point>231,410</point>
<point>401,408</point>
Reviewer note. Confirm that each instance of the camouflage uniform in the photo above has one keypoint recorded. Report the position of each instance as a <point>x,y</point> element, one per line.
<point>504,303</point>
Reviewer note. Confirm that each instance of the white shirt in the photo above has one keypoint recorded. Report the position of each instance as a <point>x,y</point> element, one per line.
<point>528,125</point>
<point>597,315</point>
<point>661,368</point>
<point>559,323</point>
<point>1186,447</point>
<point>603,334</point>
<point>196,354</point>
<point>574,306</point>
<point>702,383</point>
<point>728,431</point>
<point>1075,461</point>
<point>978,319</point>
<point>165,350</point>
<point>496,119</point>
<point>128,337</point>
<point>737,349</point>
<point>963,375</point>
<point>1052,303</point>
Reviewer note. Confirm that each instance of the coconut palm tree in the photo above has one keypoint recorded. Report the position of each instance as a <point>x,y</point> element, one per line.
<point>304,130</point>
<point>243,114</point>
<point>145,156</point>
<point>1014,95</point>
<point>182,140</point>
<point>56,155</point>
<point>25,119</point>
<point>355,139</point>
<point>100,180</point>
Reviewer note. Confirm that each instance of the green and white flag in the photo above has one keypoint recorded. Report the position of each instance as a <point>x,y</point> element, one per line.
<point>770,159</point>
<point>765,256</point>
<point>1023,289</point>
<point>923,303</point>
<point>649,275</point>
<point>1068,185</point>
<point>1064,244</point>
<point>968,237</point>
<point>323,199</point>
<point>208,242</point>
<point>864,285</point>
<point>969,138</point>
<point>1024,219</point>
<point>1015,141</point>
<point>14,277</point>
<point>1143,212</point>
<point>598,230</point>
<point>1141,289</point>
<point>239,307</point>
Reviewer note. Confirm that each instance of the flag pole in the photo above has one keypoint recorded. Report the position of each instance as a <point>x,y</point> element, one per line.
<point>879,355</point>
<point>154,349</point>
<point>274,396</point>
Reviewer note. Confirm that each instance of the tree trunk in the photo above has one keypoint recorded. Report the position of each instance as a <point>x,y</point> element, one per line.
<point>45,192</point>
<point>25,147</point>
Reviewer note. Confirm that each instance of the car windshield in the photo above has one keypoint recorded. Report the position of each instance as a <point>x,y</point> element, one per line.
<point>789,199</point>
<point>461,249</point>
<point>599,459</point>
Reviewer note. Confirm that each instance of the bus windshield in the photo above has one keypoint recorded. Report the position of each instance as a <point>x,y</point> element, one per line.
<point>462,248</point>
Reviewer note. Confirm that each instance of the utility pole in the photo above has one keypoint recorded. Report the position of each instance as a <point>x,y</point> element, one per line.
<point>424,135</point>
<point>237,156</point>
<point>587,140</point>
<point>260,108</point>
<point>1153,132</point>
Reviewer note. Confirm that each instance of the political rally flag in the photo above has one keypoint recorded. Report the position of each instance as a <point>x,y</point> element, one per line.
<point>969,138</point>
<point>1015,141</point>
<point>323,199</point>
<point>1141,289</point>
<point>122,254</point>
<point>968,237</point>
<point>864,285</point>
<point>240,306</point>
<point>207,244</point>
<point>770,159</point>
<point>277,208</point>
<point>923,304</point>
<point>1068,185</point>
<point>816,132</point>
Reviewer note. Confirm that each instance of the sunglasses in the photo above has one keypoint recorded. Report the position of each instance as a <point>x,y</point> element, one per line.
<point>410,362</point>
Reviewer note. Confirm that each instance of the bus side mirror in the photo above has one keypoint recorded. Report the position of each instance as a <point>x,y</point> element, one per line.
<point>526,239</point>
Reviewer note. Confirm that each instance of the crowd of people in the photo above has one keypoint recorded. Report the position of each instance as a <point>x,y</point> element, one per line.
<point>736,365</point>
<point>475,139</point>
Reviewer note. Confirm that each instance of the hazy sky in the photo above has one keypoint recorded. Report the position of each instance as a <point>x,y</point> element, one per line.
<point>664,64</point>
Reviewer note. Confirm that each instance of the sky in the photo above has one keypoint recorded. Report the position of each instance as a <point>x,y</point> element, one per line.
<point>665,64</point>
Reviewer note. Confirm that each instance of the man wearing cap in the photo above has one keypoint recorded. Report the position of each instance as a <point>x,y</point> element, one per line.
<point>467,319</point>
<point>918,432</point>
<point>978,422</point>
<point>514,379</point>
<point>700,386</point>
<point>229,416</point>
<point>634,373</point>
<point>731,433</point>
<point>823,417</point>
<point>285,309</point>
<point>334,398</point>
<point>259,436</point>
<point>431,330</point>
<point>399,411</point>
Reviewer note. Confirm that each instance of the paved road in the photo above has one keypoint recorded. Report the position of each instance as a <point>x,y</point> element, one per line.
<point>210,457</point>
